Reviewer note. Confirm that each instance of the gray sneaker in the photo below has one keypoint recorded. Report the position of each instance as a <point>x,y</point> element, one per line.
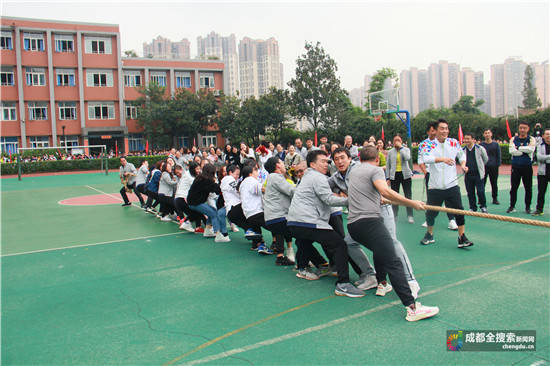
<point>347,289</point>
<point>366,283</point>
<point>306,274</point>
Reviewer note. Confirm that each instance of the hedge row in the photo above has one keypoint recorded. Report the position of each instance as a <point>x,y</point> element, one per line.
<point>89,164</point>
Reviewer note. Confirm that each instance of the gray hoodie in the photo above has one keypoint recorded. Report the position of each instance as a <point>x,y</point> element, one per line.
<point>312,200</point>
<point>167,184</point>
<point>391,163</point>
<point>277,197</point>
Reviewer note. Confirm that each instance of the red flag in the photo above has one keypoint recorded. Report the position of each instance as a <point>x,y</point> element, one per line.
<point>315,138</point>
<point>508,129</point>
<point>194,141</point>
<point>147,147</point>
<point>116,148</point>
<point>383,139</point>
<point>460,134</point>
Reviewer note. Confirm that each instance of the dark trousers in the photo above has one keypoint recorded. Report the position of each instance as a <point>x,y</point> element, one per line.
<point>281,235</point>
<point>124,194</point>
<point>337,223</point>
<point>473,182</point>
<point>492,173</point>
<point>152,199</point>
<point>182,208</point>
<point>166,205</point>
<point>525,175</point>
<point>331,242</point>
<point>236,216</point>
<point>140,189</point>
<point>452,199</point>
<point>256,222</point>
<point>407,184</point>
<point>426,180</point>
<point>542,185</point>
<point>373,234</point>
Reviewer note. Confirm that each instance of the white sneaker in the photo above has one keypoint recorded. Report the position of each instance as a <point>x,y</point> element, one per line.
<point>366,283</point>
<point>220,238</point>
<point>411,220</point>
<point>234,228</point>
<point>421,312</point>
<point>209,233</point>
<point>415,288</point>
<point>382,290</point>
<point>425,224</point>
<point>452,225</point>
<point>174,217</point>
<point>165,218</point>
<point>186,225</point>
<point>290,254</point>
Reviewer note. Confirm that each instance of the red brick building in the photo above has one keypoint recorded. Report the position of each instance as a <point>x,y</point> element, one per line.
<point>67,82</point>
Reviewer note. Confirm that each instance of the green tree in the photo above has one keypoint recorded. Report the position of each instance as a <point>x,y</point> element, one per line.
<point>466,104</point>
<point>530,96</point>
<point>151,112</point>
<point>316,93</point>
<point>228,118</point>
<point>130,53</point>
<point>377,84</point>
<point>277,102</point>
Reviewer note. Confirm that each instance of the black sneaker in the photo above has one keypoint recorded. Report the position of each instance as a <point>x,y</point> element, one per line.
<point>284,261</point>
<point>464,242</point>
<point>510,210</point>
<point>484,210</point>
<point>126,204</point>
<point>528,211</point>
<point>495,202</point>
<point>538,213</point>
<point>428,239</point>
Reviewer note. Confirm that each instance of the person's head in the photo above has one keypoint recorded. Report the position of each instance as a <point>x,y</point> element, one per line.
<point>158,164</point>
<point>178,170</point>
<point>523,129</point>
<point>432,130</point>
<point>309,143</point>
<point>170,161</point>
<point>204,154</point>
<point>488,134</point>
<point>271,147</point>
<point>212,151</point>
<point>372,139</point>
<point>123,161</point>
<point>342,159</point>
<point>194,169</point>
<point>249,171</point>
<point>291,150</point>
<point>298,143</point>
<point>204,162</point>
<point>300,169</point>
<point>323,147</point>
<point>234,171</point>
<point>194,150</point>
<point>546,136</point>
<point>380,145</point>
<point>228,149</point>
<point>397,141</point>
<point>318,160</point>
<point>244,147</point>
<point>162,166</point>
<point>208,172</point>
<point>279,148</point>
<point>323,140</point>
<point>348,140</point>
<point>334,147</point>
<point>178,154</point>
<point>469,139</point>
<point>173,151</point>
<point>369,154</point>
<point>222,172</point>
<point>197,159</point>
<point>218,151</point>
<point>442,130</point>
<point>274,165</point>
<point>185,150</point>
<point>538,125</point>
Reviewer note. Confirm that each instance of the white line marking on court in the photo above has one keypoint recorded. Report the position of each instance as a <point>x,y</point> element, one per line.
<point>91,244</point>
<point>110,195</point>
<point>332,323</point>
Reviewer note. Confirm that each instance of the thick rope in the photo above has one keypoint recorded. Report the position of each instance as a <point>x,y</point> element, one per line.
<point>515,220</point>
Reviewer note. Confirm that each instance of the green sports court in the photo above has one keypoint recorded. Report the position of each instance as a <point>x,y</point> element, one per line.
<point>87,283</point>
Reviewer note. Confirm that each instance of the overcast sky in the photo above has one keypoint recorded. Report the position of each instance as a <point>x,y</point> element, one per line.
<point>362,36</point>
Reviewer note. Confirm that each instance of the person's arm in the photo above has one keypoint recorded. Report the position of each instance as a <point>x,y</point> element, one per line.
<point>542,158</point>
<point>512,148</point>
<point>322,190</point>
<point>393,196</point>
<point>405,153</point>
<point>484,156</point>
<point>389,164</point>
<point>461,156</point>
<point>499,155</point>
<point>529,149</point>
<point>283,186</point>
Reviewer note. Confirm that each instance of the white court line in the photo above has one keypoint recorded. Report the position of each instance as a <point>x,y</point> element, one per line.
<point>110,195</point>
<point>90,245</point>
<point>332,323</point>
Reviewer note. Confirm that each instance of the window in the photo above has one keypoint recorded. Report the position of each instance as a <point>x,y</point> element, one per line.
<point>101,110</point>
<point>136,142</point>
<point>209,140</point>
<point>183,141</point>
<point>9,112</point>
<point>132,78</point>
<point>159,78</point>
<point>131,111</point>
<point>68,140</point>
<point>67,110</point>
<point>36,76</point>
<point>38,111</point>
<point>64,43</point>
<point>97,45</point>
<point>33,41</point>
<point>9,145</point>
<point>39,141</point>
<point>6,76</point>
<point>183,80</point>
<point>99,77</point>
<point>206,80</point>
<point>6,42</point>
<point>65,77</point>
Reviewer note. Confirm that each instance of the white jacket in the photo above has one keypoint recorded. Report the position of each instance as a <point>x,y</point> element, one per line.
<point>442,175</point>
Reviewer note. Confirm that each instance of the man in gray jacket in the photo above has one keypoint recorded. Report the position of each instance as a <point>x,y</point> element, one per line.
<point>543,174</point>
<point>308,218</point>
<point>476,158</point>
<point>127,175</point>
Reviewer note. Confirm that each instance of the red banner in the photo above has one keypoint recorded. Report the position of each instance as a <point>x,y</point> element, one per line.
<point>383,139</point>
<point>460,134</point>
<point>508,129</point>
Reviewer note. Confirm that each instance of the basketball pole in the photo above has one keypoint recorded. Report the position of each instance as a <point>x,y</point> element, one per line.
<point>407,123</point>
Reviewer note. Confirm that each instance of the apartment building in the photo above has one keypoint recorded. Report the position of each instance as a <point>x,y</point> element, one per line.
<point>65,83</point>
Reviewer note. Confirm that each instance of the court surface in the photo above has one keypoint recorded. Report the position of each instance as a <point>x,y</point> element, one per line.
<point>100,284</point>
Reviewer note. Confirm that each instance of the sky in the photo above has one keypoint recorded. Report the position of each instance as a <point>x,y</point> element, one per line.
<point>361,36</point>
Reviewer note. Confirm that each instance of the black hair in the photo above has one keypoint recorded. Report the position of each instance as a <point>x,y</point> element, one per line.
<point>245,173</point>
<point>192,168</point>
<point>232,168</point>
<point>469,134</point>
<point>341,150</point>
<point>312,156</point>
<point>431,125</point>
<point>524,123</point>
<point>271,164</point>
<point>208,172</point>
<point>441,120</point>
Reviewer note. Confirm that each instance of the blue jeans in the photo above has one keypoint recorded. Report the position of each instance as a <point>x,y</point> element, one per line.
<point>216,217</point>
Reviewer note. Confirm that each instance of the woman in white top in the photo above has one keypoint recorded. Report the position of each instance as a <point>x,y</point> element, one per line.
<point>186,178</point>
<point>232,198</point>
